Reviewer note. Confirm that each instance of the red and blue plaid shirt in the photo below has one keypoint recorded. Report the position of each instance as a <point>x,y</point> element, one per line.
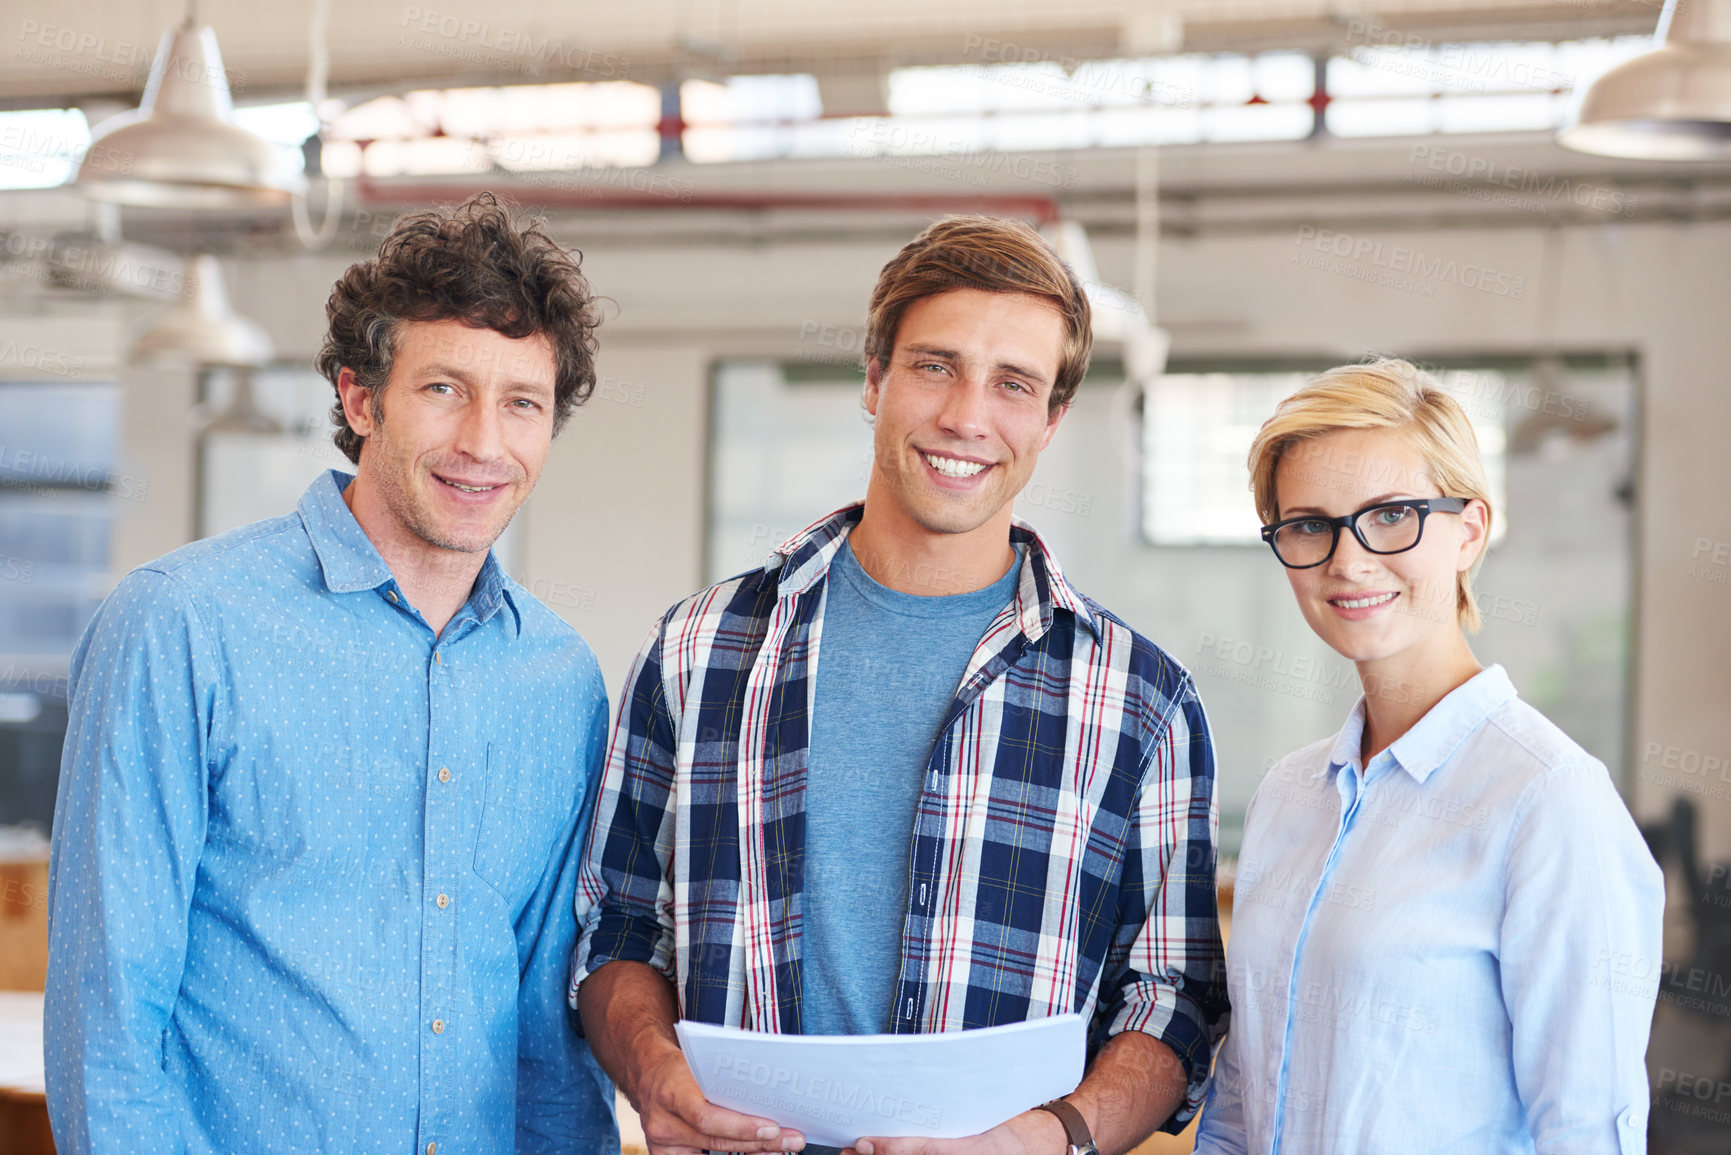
<point>1063,849</point>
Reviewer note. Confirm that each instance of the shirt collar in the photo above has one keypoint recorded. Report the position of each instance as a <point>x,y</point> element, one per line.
<point>1042,589</point>
<point>347,556</point>
<point>494,590</point>
<point>1435,737</point>
<point>1348,743</point>
<point>350,562</point>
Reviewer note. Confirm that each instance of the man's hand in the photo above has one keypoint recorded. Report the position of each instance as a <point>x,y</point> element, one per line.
<point>678,1120</point>
<point>1134,1084</point>
<point>628,1014</point>
<point>1030,1133</point>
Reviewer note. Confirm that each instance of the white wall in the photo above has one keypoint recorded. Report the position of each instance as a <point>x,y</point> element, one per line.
<point>614,534</point>
<point>1657,290</point>
<point>612,531</point>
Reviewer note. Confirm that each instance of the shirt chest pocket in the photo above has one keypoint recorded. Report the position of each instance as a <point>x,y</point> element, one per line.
<point>524,822</point>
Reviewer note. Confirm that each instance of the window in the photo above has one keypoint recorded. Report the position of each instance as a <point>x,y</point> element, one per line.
<point>59,486</point>
<point>1196,435</point>
<point>789,444</point>
<point>41,147</point>
<point>524,129</point>
<point>57,492</point>
<point>970,118</point>
<point>1392,84</point>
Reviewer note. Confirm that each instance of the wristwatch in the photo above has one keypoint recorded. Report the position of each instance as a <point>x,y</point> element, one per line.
<point>1076,1127</point>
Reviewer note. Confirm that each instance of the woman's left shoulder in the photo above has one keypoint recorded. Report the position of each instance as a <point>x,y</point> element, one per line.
<point>1536,747</point>
<point>1553,782</point>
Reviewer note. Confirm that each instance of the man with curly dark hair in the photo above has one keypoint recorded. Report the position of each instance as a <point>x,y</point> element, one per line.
<point>314,855</point>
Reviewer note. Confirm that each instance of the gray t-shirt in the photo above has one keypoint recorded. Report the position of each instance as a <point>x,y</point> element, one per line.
<point>889,665</point>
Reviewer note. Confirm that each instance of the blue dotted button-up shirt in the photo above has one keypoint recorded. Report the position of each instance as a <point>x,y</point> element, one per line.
<point>313,867</point>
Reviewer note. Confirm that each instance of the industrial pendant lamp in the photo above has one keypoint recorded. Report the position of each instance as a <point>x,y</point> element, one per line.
<point>181,148</point>
<point>1673,103</point>
<point>201,328</point>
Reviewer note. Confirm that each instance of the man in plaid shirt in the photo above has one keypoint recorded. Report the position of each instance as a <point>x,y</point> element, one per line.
<point>904,778</point>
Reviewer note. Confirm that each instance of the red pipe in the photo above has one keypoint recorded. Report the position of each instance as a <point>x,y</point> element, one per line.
<point>1042,209</point>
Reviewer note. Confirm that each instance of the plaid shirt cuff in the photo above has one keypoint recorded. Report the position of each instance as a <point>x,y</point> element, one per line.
<point>614,937</point>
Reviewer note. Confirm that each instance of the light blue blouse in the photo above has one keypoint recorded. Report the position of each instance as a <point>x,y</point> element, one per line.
<point>1454,948</point>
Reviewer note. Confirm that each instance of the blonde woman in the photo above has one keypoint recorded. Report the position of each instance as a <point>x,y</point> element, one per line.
<point>1438,908</point>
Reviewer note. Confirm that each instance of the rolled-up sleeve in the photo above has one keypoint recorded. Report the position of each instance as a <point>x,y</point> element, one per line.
<point>625,890</point>
<point>1171,981</point>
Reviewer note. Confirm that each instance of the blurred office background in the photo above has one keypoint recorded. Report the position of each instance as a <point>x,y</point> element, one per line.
<point>1254,191</point>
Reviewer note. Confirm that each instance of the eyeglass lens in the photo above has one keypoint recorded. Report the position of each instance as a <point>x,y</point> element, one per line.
<point>1384,529</point>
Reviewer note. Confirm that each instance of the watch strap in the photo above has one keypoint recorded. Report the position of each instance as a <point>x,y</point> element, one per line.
<point>1075,1127</point>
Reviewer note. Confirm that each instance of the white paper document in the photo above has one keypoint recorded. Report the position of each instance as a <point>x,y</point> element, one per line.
<point>838,1088</point>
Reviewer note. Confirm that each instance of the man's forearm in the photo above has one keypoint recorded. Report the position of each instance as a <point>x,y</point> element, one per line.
<point>628,1011</point>
<point>1134,1085</point>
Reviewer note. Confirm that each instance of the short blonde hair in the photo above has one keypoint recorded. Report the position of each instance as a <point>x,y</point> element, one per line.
<point>1381,393</point>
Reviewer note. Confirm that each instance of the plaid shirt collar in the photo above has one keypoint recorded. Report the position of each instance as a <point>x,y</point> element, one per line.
<point>805,558</point>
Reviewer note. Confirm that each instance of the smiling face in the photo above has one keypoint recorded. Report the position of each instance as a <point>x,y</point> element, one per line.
<point>961,410</point>
<point>1375,607</point>
<point>462,429</point>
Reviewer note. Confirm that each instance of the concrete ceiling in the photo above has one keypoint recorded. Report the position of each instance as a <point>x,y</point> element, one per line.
<point>97,51</point>
<point>93,50</point>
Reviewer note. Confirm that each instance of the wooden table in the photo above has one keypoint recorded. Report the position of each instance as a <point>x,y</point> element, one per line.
<point>23,1107</point>
<point>23,968</point>
<point>23,916</point>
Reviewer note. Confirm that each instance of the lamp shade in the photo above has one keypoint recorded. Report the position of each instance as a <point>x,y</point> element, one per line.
<point>180,148</point>
<point>1673,103</point>
<point>200,328</point>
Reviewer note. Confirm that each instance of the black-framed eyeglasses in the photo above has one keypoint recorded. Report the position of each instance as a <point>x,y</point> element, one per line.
<point>1386,527</point>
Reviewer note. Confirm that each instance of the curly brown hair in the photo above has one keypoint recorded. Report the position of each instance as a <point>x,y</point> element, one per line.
<point>467,263</point>
<point>998,255</point>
